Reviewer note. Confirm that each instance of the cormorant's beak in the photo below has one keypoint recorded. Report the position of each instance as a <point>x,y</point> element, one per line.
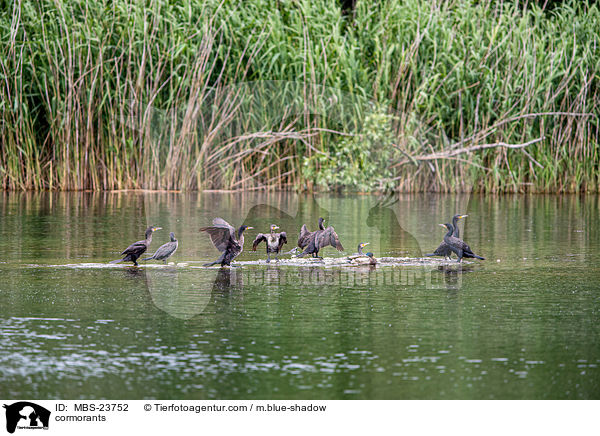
<point>463,216</point>
<point>443,225</point>
<point>248,228</point>
<point>154,229</point>
<point>275,227</point>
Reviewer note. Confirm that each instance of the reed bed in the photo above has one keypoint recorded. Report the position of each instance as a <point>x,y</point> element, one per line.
<point>498,96</point>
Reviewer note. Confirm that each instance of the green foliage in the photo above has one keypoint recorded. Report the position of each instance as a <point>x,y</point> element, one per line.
<point>359,162</point>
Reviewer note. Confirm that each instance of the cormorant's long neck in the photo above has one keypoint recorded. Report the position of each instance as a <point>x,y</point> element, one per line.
<point>450,231</point>
<point>455,225</point>
<point>360,249</point>
<point>321,226</point>
<point>148,236</point>
<point>240,233</point>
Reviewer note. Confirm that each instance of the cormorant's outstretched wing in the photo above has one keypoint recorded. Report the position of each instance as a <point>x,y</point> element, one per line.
<point>220,237</point>
<point>220,222</point>
<point>304,236</point>
<point>282,240</point>
<point>259,238</point>
<point>328,237</point>
<point>221,233</point>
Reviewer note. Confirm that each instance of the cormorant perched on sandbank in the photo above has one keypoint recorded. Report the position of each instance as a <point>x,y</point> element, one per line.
<point>457,245</point>
<point>305,235</point>
<point>225,239</point>
<point>274,242</point>
<point>166,250</point>
<point>443,249</point>
<point>321,239</point>
<point>138,248</point>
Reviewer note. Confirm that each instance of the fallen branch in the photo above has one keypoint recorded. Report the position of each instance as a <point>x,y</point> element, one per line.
<point>450,153</point>
<point>493,128</point>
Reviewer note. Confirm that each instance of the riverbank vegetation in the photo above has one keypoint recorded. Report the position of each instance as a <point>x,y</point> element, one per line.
<point>493,96</point>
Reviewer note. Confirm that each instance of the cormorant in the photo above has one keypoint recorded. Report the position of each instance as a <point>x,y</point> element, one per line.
<point>321,239</point>
<point>443,249</point>
<point>457,245</point>
<point>305,235</point>
<point>225,239</point>
<point>359,253</point>
<point>166,250</point>
<point>274,242</point>
<point>138,248</point>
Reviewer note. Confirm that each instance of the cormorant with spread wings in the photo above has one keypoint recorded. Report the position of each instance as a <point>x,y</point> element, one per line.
<point>225,239</point>
<point>305,235</point>
<point>321,239</point>
<point>274,242</point>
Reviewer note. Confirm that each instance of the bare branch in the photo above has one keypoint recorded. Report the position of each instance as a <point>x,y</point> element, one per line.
<point>450,153</point>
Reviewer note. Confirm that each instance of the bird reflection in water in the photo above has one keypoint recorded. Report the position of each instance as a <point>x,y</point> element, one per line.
<point>274,275</point>
<point>452,275</point>
<point>228,279</point>
<point>132,272</point>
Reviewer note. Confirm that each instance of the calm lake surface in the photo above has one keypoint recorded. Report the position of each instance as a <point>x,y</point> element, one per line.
<point>523,324</point>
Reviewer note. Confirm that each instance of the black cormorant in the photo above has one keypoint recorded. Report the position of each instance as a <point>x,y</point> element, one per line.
<point>457,245</point>
<point>274,242</point>
<point>166,250</point>
<point>305,235</point>
<point>443,249</point>
<point>321,239</point>
<point>225,239</point>
<point>138,248</point>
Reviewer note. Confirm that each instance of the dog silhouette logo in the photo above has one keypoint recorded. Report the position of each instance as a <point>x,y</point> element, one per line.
<point>26,415</point>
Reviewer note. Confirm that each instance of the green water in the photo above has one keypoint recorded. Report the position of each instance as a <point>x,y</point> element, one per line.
<point>521,324</point>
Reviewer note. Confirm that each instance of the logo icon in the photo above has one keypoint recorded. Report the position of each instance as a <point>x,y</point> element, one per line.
<point>26,415</point>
